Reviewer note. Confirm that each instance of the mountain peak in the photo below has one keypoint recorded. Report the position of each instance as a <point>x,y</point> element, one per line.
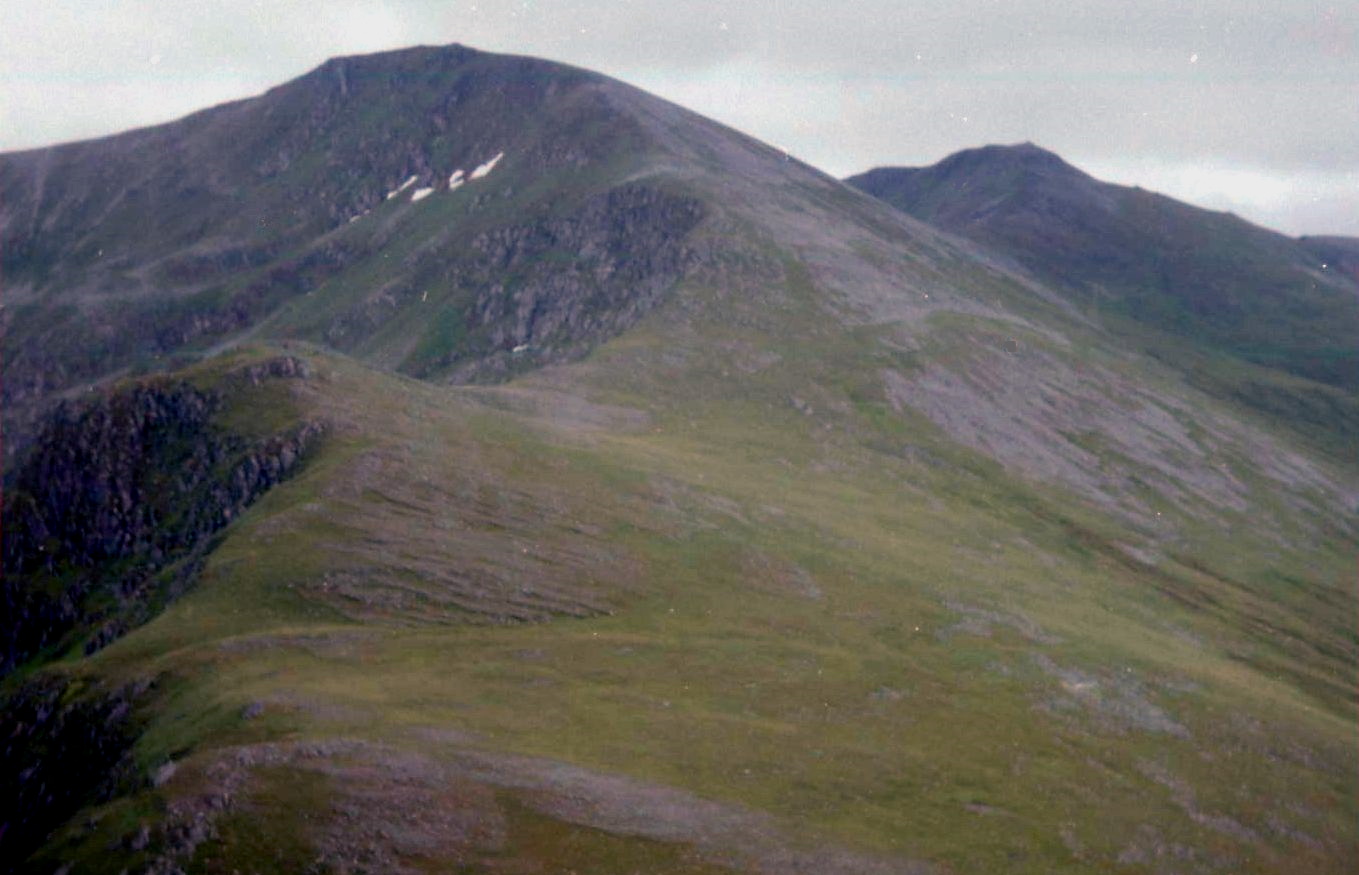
<point>432,66</point>
<point>1025,151</point>
<point>1006,159</point>
<point>974,182</point>
<point>980,162</point>
<point>303,188</point>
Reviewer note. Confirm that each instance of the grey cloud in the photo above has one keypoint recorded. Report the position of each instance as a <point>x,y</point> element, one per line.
<point>1255,86</point>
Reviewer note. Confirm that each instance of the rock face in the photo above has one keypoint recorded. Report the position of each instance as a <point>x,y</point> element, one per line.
<point>107,519</point>
<point>113,507</point>
<point>626,248</point>
<point>61,747</point>
<point>531,292</point>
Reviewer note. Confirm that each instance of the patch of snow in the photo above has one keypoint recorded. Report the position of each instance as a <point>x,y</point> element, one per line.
<point>455,180</point>
<point>523,347</point>
<point>353,219</point>
<point>486,168</point>
<point>402,187</point>
<point>421,193</point>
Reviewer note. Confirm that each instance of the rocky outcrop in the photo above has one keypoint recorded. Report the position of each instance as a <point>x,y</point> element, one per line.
<point>115,505</point>
<point>284,367</point>
<point>625,247</point>
<point>107,519</point>
<point>549,290</point>
<point>62,746</point>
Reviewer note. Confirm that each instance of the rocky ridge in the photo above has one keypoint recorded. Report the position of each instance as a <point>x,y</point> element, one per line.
<point>118,501</point>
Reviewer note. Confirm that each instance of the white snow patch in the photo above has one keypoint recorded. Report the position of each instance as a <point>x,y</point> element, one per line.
<point>402,187</point>
<point>455,180</point>
<point>353,219</point>
<point>523,347</point>
<point>486,168</point>
<point>421,193</point>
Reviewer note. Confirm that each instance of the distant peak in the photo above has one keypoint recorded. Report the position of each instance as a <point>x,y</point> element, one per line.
<point>1024,154</point>
<point>982,161</point>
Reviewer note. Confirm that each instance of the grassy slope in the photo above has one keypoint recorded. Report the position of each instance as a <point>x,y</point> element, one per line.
<point>984,681</point>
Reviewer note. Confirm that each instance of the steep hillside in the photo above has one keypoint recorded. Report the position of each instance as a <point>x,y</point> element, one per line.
<point>129,487</point>
<point>1210,277</point>
<point>821,540</point>
<point>1336,253</point>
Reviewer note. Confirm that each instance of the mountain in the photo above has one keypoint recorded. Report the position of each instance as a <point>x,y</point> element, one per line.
<point>652,502</point>
<point>1212,277</point>
<point>325,209</point>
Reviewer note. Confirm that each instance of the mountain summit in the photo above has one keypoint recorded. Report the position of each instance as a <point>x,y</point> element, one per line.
<point>1134,254</point>
<point>976,187</point>
<point>448,461</point>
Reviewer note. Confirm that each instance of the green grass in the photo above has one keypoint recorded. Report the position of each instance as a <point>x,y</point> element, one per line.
<point>855,716</point>
<point>266,833</point>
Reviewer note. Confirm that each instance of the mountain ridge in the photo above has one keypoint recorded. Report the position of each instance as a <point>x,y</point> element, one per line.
<point>1245,290</point>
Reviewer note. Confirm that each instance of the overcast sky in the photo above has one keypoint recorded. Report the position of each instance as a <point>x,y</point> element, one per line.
<point>1245,105</point>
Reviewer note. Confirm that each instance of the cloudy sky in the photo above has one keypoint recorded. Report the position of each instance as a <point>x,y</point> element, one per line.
<point>1243,105</point>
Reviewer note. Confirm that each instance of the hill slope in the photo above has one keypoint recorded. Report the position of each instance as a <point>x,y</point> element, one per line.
<point>1124,251</point>
<point>832,542</point>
